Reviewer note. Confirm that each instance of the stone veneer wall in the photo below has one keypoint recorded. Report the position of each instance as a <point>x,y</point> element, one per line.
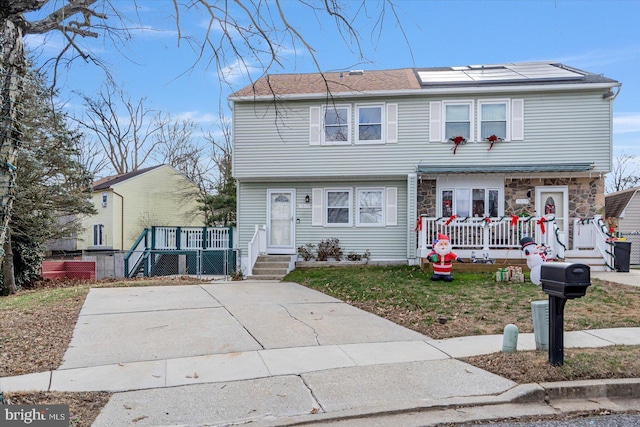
<point>427,197</point>
<point>586,197</point>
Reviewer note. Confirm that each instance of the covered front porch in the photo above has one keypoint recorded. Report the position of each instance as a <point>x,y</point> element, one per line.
<point>498,238</point>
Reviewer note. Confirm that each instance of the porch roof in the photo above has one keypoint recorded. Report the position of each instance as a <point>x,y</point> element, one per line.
<point>527,168</point>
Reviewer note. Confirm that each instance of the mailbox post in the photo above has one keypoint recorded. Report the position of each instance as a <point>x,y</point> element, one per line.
<point>562,281</point>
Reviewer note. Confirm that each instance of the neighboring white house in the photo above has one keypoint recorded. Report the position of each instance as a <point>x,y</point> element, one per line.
<point>362,155</point>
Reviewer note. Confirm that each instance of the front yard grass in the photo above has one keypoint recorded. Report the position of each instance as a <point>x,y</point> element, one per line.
<point>473,304</point>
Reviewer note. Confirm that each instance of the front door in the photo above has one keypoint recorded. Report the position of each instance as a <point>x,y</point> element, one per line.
<point>281,230</point>
<point>553,201</point>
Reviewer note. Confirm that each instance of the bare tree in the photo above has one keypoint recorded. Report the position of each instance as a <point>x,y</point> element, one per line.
<point>127,139</point>
<point>625,173</point>
<point>248,34</point>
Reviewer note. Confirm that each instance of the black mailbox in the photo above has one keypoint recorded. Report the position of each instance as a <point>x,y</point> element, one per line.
<point>562,281</point>
<point>565,280</point>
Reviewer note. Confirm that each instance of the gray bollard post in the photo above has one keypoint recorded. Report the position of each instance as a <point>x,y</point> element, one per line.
<point>510,339</point>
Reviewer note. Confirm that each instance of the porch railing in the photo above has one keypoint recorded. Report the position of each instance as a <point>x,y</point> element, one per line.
<point>490,233</point>
<point>592,234</point>
<point>257,246</point>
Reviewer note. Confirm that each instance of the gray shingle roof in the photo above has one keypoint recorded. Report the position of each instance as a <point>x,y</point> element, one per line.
<point>615,203</point>
<point>108,182</point>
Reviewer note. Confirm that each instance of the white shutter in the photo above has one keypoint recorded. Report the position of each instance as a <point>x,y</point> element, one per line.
<point>315,125</point>
<point>392,123</point>
<point>317,209</point>
<point>517,119</point>
<point>435,121</point>
<point>392,205</point>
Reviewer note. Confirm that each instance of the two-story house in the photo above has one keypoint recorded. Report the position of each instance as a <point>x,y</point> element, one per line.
<point>384,159</point>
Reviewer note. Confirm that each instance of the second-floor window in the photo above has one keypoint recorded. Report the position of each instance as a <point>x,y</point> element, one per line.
<point>458,120</point>
<point>337,124</point>
<point>494,119</point>
<point>476,120</point>
<point>370,123</point>
<point>375,123</point>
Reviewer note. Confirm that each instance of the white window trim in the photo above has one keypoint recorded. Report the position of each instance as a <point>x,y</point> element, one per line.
<point>323,136</point>
<point>326,207</point>
<point>383,125</point>
<point>507,103</point>
<point>383,207</point>
<point>102,235</point>
<point>453,183</point>
<point>443,124</point>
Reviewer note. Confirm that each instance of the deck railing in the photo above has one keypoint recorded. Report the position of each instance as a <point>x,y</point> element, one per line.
<point>191,238</point>
<point>136,254</point>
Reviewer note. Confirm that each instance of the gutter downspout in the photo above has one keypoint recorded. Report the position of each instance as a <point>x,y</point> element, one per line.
<point>121,219</point>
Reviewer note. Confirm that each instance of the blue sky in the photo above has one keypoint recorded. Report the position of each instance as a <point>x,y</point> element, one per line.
<point>598,36</point>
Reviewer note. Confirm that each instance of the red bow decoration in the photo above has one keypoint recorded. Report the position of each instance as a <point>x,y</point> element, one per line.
<point>451,218</point>
<point>492,139</point>
<point>457,141</point>
<point>541,222</point>
<point>418,225</point>
<point>514,220</point>
<point>487,219</point>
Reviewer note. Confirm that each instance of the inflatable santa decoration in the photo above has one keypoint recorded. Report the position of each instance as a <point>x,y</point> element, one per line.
<point>441,257</point>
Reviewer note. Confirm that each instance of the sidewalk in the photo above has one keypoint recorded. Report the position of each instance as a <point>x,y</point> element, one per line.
<point>268,352</point>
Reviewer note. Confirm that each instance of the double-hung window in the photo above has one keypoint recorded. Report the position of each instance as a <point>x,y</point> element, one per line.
<point>337,124</point>
<point>494,119</point>
<point>458,120</point>
<point>370,207</point>
<point>370,127</point>
<point>338,207</point>
<point>98,235</point>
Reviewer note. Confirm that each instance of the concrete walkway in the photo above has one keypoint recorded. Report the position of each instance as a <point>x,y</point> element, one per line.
<point>233,352</point>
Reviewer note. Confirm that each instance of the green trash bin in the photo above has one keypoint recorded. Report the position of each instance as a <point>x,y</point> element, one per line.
<point>622,252</point>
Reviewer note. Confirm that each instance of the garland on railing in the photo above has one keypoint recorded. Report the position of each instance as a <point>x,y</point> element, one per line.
<point>558,239</point>
<point>609,241</point>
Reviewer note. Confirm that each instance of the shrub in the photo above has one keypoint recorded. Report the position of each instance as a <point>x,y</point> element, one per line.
<point>306,252</point>
<point>329,248</point>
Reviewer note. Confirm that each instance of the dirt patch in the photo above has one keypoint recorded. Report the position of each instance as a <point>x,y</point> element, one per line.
<point>83,407</point>
<point>526,367</point>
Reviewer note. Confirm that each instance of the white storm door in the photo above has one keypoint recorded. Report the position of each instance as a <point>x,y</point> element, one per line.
<point>554,201</point>
<point>281,229</point>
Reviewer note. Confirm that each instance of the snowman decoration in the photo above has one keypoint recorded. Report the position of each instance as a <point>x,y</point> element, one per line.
<point>535,258</point>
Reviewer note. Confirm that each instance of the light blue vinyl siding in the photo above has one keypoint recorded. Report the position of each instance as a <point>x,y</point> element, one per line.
<point>560,127</point>
<point>389,243</point>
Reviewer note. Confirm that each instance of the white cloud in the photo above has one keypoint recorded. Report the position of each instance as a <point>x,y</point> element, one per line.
<point>626,123</point>
<point>599,58</point>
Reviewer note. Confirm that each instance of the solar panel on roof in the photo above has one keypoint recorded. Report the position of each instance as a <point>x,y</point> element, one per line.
<point>506,72</point>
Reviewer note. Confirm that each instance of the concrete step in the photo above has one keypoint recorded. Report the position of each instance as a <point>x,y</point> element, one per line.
<point>271,264</point>
<point>274,258</point>
<point>264,277</point>
<point>269,271</point>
